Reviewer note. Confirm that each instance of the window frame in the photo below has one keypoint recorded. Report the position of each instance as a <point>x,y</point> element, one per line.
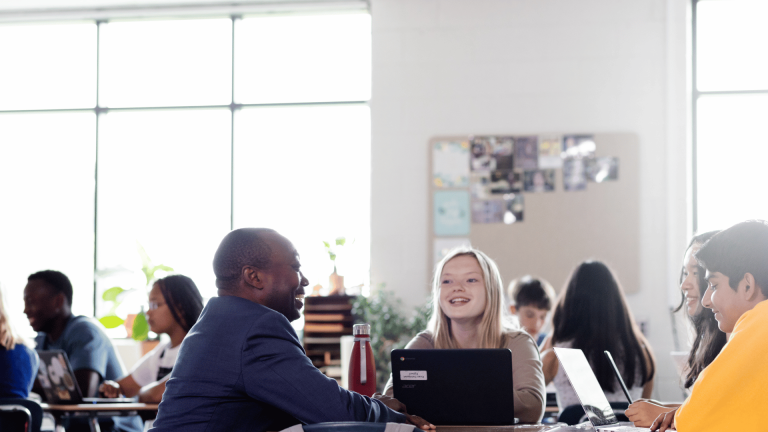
<point>695,95</point>
<point>235,13</point>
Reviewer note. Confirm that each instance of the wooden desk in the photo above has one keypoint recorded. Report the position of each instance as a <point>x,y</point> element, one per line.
<point>94,411</point>
<point>560,427</point>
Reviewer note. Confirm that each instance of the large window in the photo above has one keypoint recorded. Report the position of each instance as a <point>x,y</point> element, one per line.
<point>730,109</point>
<point>161,135</point>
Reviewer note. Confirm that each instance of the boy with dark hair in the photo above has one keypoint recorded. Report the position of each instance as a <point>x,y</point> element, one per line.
<point>728,395</point>
<point>531,300</point>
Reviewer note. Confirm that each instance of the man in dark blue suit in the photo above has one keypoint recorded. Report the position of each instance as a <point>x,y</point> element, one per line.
<point>242,367</point>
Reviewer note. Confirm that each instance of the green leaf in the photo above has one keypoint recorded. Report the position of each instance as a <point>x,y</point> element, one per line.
<point>111,321</point>
<point>340,241</point>
<point>111,294</point>
<point>332,255</point>
<point>140,327</point>
<point>327,245</point>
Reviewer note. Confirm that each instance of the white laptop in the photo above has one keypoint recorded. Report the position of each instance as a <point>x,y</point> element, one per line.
<point>591,396</point>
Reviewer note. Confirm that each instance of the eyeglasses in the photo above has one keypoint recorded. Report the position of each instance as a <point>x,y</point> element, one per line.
<point>155,305</point>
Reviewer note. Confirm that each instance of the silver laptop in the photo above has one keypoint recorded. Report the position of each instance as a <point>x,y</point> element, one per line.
<point>591,396</point>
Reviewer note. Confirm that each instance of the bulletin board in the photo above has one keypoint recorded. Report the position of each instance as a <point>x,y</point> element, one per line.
<point>546,230</point>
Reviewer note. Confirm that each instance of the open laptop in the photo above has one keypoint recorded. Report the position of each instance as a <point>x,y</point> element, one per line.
<point>58,381</point>
<point>591,396</point>
<point>468,387</point>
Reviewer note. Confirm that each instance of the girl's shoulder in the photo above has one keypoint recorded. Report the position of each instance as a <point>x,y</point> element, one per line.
<point>518,337</point>
<point>423,340</point>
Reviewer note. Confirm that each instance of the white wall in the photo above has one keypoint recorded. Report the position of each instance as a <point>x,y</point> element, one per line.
<point>453,67</point>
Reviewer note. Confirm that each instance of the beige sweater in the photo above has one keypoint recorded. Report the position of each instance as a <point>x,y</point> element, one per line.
<point>527,376</point>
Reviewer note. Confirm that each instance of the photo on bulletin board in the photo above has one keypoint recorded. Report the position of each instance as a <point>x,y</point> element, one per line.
<point>578,146</point>
<point>491,153</point>
<point>451,213</point>
<point>515,207</point>
<point>550,150</point>
<point>527,152</point>
<point>539,181</point>
<point>574,174</point>
<point>503,182</point>
<point>488,211</point>
<point>445,245</point>
<point>450,164</point>
<point>479,185</point>
<point>602,169</point>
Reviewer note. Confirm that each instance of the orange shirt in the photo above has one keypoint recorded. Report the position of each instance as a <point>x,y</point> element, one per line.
<point>729,394</point>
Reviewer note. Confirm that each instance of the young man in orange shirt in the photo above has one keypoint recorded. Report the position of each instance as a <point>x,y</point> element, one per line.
<point>729,393</point>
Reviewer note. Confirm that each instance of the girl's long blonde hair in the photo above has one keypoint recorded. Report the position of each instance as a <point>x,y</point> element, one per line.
<point>8,337</point>
<point>493,326</point>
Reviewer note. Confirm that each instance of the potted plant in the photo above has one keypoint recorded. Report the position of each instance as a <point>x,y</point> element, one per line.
<point>336,281</point>
<point>136,324</point>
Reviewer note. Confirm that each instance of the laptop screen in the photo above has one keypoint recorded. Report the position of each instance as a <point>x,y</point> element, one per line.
<point>585,385</point>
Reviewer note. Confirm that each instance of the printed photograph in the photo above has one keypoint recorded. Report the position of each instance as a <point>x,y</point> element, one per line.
<point>578,146</point>
<point>602,169</point>
<point>514,209</point>
<point>550,150</point>
<point>539,181</point>
<point>488,211</point>
<point>574,174</point>
<point>450,161</point>
<point>527,152</point>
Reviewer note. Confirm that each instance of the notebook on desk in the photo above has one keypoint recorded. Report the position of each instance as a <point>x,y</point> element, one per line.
<point>470,387</point>
<point>591,395</point>
<point>57,379</point>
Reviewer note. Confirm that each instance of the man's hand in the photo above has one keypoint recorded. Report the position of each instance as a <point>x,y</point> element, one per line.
<point>398,406</point>
<point>419,422</point>
<point>643,413</point>
<point>390,402</point>
<point>664,422</point>
<point>110,389</point>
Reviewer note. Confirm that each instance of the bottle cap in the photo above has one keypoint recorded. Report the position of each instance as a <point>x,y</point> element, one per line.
<point>361,330</point>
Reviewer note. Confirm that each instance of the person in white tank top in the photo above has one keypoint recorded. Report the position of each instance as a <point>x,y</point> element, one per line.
<point>175,304</point>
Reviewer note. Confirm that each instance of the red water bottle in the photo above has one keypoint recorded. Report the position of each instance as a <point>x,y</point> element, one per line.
<point>362,369</point>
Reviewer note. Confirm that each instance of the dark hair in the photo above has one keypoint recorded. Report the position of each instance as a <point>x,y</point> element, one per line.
<point>532,292</point>
<point>593,315</point>
<point>741,249</point>
<point>241,247</point>
<point>183,297</point>
<point>57,280</point>
<point>709,340</point>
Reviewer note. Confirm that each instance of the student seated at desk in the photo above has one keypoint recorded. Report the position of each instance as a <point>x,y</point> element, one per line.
<point>469,313</point>
<point>47,302</point>
<point>18,361</point>
<point>730,393</point>
<point>708,340</point>
<point>592,315</point>
<point>174,306</point>
<point>531,300</point>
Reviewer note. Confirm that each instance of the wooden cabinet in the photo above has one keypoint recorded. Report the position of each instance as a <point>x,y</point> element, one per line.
<point>326,320</point>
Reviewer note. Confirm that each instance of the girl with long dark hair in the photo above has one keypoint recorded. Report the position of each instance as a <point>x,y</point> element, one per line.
<point>174,306</point>
<point>708,339</point>
<point>592,315</point>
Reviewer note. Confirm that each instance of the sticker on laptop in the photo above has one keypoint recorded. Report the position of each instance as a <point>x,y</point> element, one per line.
<point>413,375</point>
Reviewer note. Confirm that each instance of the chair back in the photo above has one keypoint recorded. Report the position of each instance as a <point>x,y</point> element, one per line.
<point>14,418</point>
<point>32,407</point>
